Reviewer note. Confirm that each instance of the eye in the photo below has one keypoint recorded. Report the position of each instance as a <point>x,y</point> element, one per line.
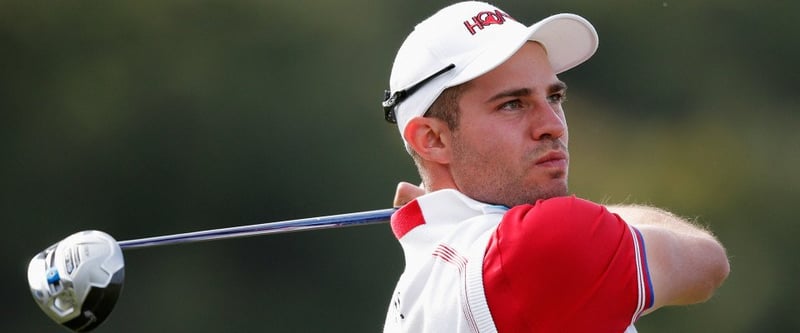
<point>511,105</point>
<point>557,98</point>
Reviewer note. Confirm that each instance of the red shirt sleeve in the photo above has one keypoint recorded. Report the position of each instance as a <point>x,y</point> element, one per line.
<point>565,265</point>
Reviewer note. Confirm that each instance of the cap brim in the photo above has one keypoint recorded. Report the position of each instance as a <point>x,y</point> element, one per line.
<point>568,38</point>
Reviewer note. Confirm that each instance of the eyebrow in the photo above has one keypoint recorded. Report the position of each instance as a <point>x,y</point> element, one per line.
<point>519,92</point>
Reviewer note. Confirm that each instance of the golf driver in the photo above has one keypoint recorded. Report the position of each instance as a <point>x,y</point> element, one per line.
<point>78,280</point>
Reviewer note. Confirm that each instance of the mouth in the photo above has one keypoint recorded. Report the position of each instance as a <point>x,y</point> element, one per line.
<point>553,159</point>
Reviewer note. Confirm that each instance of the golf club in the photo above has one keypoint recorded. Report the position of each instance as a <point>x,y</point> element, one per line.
<point>78,280</point>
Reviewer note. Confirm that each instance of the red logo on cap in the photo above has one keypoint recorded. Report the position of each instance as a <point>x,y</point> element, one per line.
<point>484,19</point>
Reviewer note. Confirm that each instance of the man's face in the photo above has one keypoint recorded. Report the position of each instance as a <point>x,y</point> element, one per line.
<point>510,146</point>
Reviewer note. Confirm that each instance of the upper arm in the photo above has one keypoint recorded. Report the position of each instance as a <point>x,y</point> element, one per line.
<point>684,269</point>
<point>686,262</point>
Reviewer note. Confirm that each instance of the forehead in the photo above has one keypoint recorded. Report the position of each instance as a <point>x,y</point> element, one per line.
<point>527,68</point>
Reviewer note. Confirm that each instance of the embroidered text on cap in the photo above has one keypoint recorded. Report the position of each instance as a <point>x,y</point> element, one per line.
<point>484,19</point>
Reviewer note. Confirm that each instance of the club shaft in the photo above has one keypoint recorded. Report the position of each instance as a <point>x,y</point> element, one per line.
<point>313,223</point>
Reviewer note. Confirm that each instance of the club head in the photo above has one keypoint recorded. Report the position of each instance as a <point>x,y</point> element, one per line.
<point>77,281</point>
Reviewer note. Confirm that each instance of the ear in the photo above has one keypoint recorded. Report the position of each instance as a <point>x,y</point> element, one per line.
<point>430,138</point>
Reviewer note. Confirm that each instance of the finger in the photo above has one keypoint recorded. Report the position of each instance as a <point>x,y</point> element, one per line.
<point>406,192</point>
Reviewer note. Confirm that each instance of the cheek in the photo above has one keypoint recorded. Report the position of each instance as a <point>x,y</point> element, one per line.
<point>474,149</point>
<point>485,143</point>
<point>563,117</point>
<point>485,155</point>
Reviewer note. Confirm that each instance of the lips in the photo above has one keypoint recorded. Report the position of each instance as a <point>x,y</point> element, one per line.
<point>556,159</point>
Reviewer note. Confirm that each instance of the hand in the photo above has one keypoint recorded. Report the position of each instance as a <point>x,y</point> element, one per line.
<point>406,192</point>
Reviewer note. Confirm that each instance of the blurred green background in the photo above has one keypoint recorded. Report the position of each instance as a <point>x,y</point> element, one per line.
<point>144,118</point>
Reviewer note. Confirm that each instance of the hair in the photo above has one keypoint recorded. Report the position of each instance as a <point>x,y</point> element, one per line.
<point>444,108</point>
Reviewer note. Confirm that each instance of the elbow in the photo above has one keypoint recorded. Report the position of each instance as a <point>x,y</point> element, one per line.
<point>717,269</point>
<point>720,271</point>
<point>723,267</point>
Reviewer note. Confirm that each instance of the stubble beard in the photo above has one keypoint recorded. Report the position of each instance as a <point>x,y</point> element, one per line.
<point>513,193</point>
<point>496,183</point>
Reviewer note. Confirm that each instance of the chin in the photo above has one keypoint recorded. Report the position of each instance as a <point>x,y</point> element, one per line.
<point>553,194</point>
<point>559,189</point>
<point>536,194</point>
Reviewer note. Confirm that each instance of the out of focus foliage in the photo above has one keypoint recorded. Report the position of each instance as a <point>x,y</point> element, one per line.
<point>144,118</point>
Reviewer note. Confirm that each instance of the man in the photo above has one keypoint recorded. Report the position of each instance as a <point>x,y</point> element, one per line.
<point>492,240</point>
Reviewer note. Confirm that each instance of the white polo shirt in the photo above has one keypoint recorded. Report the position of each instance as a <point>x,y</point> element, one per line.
<point>563,264</point>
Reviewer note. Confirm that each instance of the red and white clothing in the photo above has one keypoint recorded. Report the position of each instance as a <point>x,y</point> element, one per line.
<point>561,265</point>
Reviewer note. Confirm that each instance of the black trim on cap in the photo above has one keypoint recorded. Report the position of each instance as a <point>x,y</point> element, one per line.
<point>390,100</point>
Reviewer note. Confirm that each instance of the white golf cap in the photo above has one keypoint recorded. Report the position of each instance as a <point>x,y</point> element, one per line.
<point>468,39</point>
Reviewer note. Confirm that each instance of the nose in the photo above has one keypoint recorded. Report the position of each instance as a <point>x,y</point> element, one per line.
<point>549,122</point>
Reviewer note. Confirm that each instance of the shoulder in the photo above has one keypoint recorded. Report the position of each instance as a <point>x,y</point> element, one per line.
<point>563,216</point>
<point>560,259</point>
<point>568,235</point>
<point>563,233</point>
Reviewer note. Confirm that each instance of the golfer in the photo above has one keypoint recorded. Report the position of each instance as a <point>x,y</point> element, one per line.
<point>493,241</point>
